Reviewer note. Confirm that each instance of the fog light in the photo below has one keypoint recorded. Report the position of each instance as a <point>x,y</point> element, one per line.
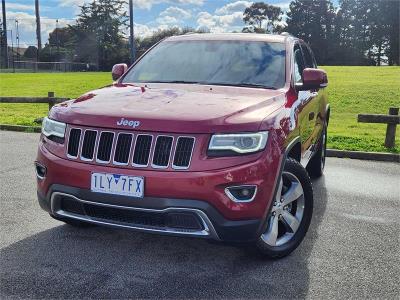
<point>242,193</point>
<point>40,170</point>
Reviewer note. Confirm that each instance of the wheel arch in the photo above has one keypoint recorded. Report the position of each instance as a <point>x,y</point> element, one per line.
<point>293,149</point>
<point>327,113</point>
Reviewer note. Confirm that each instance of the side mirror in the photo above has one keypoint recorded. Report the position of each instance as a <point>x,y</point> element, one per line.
<point>313,79</point>
<point>118,70</point>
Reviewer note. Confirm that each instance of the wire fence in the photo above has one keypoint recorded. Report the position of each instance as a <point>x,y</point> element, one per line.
<point>34,67</point>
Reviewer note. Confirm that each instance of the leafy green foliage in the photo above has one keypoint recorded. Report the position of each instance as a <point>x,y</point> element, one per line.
<point>313,21</point>
<point>258,14</point>
<point>97,34</point>
<point>360,32</point>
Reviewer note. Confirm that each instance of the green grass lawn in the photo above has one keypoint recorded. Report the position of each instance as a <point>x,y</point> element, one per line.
<point>352,90</point>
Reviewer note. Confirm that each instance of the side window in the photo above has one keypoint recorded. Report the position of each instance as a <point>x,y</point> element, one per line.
<point>308,57</point>
<point>298,65</point>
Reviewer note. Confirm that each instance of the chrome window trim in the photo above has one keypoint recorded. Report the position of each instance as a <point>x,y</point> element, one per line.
<point>234,199</point>
<point>112,146</point>
<point>114,162</point>
<point>79,144</point>
<point>150,154</point>
<point>95,145</point>
<point>191,153</point>
<point>208,231</point>
<point>170,153</point>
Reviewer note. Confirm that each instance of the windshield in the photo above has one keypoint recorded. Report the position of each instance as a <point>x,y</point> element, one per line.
<point>236,63</point>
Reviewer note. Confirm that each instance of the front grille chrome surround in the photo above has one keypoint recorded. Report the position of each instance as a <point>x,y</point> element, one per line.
<point>186,157</point>
<point>74,143</point>
<point>164,152</point>
<point>130,149</point>
<point>145,151</point>
<point>121,150</point>
<point>89,147</point>
<point>106,149</point>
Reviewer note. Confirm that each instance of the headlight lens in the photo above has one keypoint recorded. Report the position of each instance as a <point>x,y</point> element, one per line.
<point>240,143</point>
<point>53,128</point>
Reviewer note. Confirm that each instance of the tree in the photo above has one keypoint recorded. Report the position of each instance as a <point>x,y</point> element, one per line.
<point>143,44</point>
<point>313,21</point>
<point>383,18</point>
<point>31,52</point>
<point>391,10</point>
<point>368,31</point>
<point>98,34</point>
<point>61,37</point>
<point>262,18</point>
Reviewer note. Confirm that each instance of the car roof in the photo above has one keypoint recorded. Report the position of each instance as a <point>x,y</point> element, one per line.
<point>251,37</point>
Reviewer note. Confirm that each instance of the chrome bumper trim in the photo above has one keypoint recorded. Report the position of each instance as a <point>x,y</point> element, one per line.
<point>207,232</point>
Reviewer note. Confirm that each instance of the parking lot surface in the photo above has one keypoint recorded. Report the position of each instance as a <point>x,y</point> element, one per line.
<point>350,251</point>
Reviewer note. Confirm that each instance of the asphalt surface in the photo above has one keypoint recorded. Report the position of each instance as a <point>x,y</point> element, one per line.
<point>350,251</point>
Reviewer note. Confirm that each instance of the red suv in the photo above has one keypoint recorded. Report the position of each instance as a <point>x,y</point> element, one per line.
<point>206,135</point>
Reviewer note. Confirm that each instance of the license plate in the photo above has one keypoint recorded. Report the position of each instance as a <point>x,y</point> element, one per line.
<point>117,184</point>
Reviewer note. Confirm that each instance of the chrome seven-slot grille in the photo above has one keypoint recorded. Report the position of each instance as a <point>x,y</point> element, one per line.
<point>123,148</point>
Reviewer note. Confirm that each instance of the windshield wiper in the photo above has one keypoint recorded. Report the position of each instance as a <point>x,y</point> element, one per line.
<point>254,85</point>
<point>173,81</point>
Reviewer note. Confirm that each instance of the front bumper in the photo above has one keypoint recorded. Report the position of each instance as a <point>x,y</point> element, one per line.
<point>200,193</point>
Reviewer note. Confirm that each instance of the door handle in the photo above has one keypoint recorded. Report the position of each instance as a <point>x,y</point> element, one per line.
<point>311,116</point>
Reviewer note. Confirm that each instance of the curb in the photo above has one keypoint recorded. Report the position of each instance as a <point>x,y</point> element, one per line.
<point>378,156</point>
<point>20,128</point>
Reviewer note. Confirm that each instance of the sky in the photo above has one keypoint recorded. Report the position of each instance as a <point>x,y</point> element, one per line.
<point>149,15</point>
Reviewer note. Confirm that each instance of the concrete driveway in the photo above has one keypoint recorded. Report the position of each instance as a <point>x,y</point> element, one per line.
<point>351,250</point>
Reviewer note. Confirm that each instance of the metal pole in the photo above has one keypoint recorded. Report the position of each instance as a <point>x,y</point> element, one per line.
<point>58,43</point>
<point>17,37</point>
<point>3,6</point>
<point>131,33</point>
<point>12,50</point>
<point>38,31</point>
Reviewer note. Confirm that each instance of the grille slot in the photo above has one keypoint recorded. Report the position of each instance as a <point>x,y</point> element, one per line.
<point>162,151</point>
<point>88,145</point>
<point>73,143</point>
<point>123,148</point>
<point>142,150</point>
<point>183,152</point>
<point>105,147</point>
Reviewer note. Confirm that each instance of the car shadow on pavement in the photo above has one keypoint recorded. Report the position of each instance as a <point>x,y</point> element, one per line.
<point>64,262</point>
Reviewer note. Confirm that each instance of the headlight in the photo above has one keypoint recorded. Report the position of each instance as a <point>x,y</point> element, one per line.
<point>53,128</point>
<point>240,143</point>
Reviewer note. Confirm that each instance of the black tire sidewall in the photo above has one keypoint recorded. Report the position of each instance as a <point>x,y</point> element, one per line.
<point>296,169</point>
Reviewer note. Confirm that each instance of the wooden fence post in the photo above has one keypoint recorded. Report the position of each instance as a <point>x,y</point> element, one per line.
<point>50,95</point>
<point>391,129</point>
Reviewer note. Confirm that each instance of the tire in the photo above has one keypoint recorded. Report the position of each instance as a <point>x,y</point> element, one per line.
<point>316,165</point>
<point>73,222</point>
<point>290,216</point>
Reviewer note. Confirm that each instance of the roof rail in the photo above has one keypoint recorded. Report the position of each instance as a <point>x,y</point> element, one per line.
<point>285,34</point>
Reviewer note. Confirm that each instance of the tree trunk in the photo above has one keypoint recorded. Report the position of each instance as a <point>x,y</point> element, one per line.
<point>379,53</point>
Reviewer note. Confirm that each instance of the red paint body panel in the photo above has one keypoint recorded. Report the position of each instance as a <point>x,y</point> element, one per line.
<point>206,185</point>
<point>173,108</point>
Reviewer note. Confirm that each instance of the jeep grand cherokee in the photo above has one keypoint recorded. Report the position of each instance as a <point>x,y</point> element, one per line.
<point>206,135</point>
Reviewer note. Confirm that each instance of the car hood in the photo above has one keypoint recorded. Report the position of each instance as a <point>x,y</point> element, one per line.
<point>171,108</point>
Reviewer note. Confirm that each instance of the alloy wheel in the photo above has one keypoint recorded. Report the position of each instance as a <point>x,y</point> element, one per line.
<point>286,213</point>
